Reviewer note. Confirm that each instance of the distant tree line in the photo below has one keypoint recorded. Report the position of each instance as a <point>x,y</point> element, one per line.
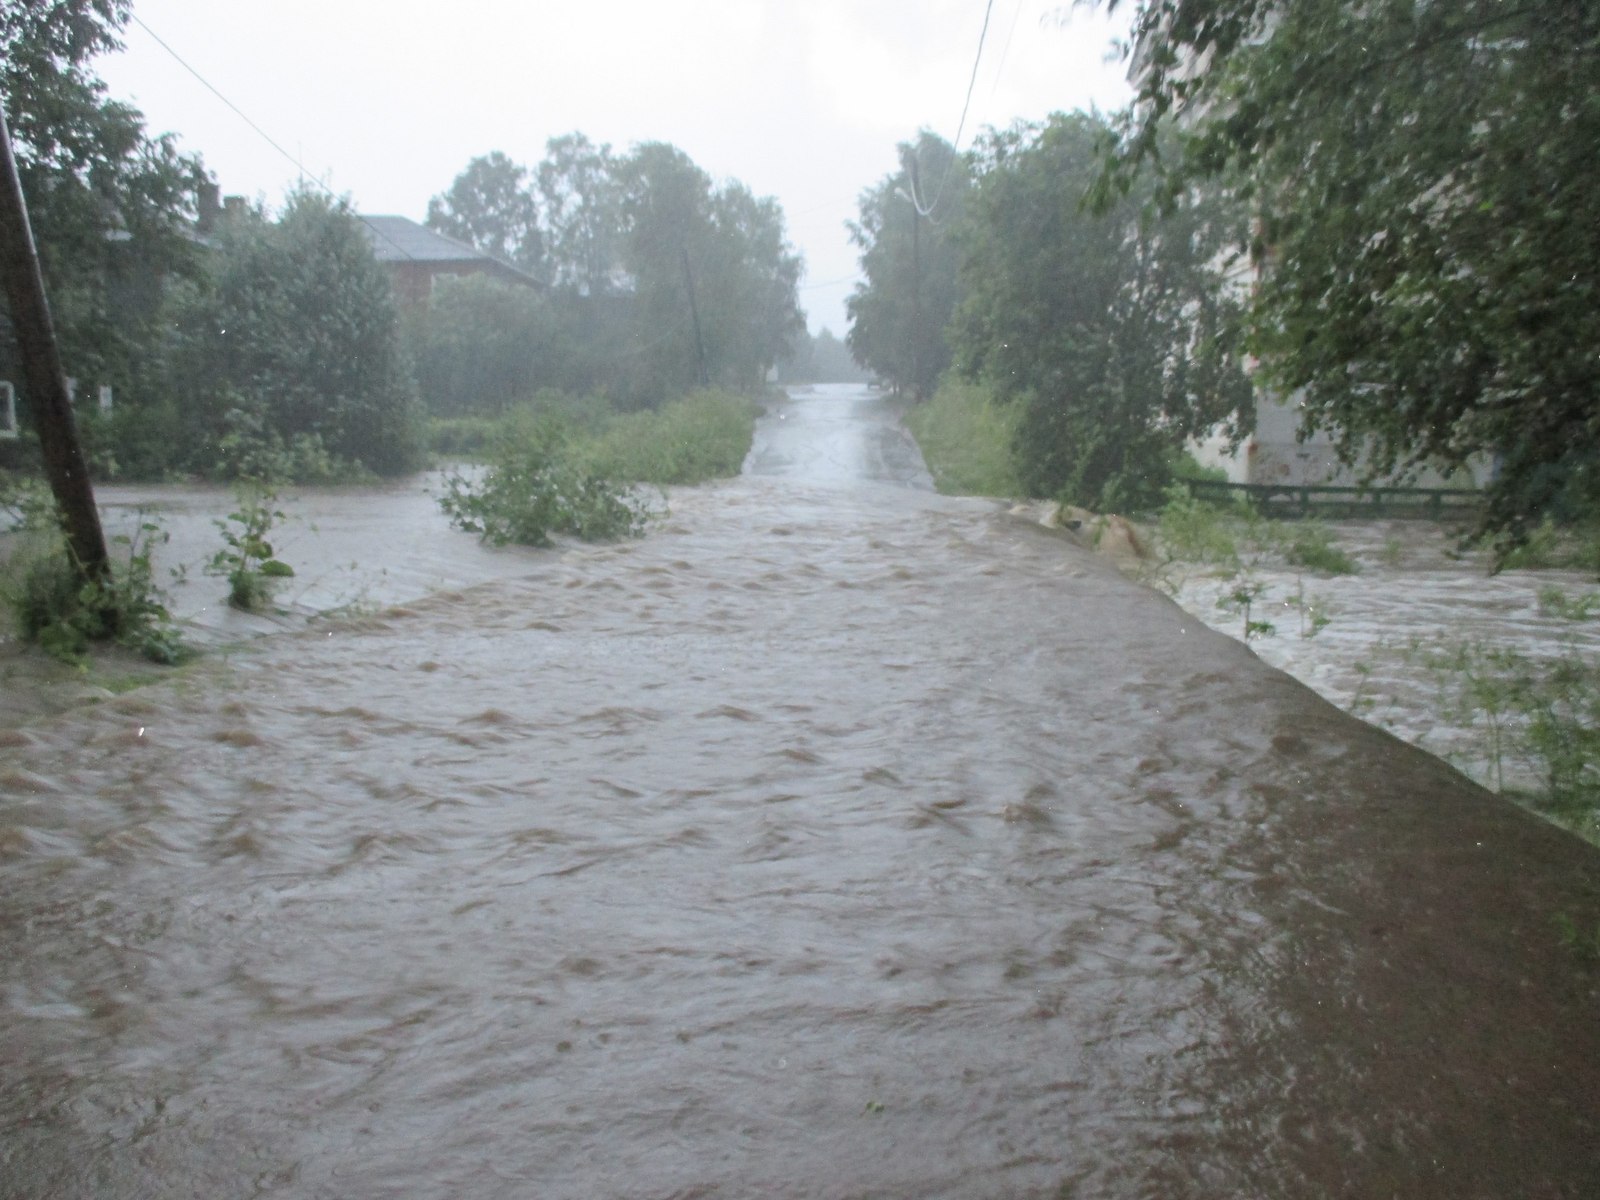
<point>273,342</point>
<point>821,357</point>
<point>657,280</point>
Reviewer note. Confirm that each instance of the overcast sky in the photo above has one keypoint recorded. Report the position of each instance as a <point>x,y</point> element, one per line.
<point>801,99</point>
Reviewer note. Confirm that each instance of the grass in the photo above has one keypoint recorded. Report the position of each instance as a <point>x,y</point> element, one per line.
<point>703,436</point>
<point>1576,547</point>
<point>1312,546</point>
<point>575,473</point>
<point>966,438</point>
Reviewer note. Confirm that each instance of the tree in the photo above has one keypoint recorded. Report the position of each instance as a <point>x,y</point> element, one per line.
<point>1111,330</point>
<point>490,206</point>
<point>292,333</point>
<point>662,281</point>
<point>899,314</point>
<point>484,344</point>
<point>712,280</point>
<point>1429,201</point>
<point>582,214</point>
<point>820,358</point>
<point>111,208</point>
<point>751,277</point>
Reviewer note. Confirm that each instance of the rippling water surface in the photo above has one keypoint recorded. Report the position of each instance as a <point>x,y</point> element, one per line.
<point>835,840</point>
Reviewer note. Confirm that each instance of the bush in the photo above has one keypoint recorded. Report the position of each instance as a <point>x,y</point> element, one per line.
<point>705,435</point>
<point>468,439</point>
<point>137,441</point>
<point>1192,531</point>
<point>1313,547</point>
<point>294,324</point>
<point>250,451</point>
<point>1545,712</point>
<point>966,437</point>
<point>246,559</point>
<point>535,488</point>
<point>57,610</point>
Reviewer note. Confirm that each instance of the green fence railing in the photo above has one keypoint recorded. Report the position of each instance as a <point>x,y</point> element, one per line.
<point>1326,499</point>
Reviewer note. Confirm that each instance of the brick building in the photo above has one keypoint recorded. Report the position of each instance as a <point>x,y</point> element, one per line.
<point>415,256</point>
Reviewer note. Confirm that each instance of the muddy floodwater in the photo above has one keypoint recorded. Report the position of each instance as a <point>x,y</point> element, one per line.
<point>836,840</point>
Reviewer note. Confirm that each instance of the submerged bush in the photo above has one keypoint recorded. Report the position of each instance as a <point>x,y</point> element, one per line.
<point>1312,546</point>
<point>1543,712</point>
<point>536,488</point>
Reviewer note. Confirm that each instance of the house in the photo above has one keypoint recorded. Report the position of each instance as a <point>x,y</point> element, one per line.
<point>415,256</point>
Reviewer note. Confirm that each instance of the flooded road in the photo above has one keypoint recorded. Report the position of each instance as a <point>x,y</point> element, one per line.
<point>837,840</point>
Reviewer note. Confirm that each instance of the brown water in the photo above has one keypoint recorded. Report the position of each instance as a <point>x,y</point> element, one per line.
<point>837,840</point>
<point>1414,595</point>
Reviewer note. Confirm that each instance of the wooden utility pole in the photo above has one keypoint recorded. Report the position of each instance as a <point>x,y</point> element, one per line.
<point>694,311</point>
<point>64,464</point>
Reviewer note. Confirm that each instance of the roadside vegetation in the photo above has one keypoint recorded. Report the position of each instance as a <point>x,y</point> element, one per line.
<point>47,600</point>
<point>966,438</point>
<point>558,468</point>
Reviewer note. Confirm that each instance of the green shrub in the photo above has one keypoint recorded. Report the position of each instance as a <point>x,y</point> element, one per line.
<point>246,559</point>
<point>56,609</point>
<point>536,488</point>
<point>1545,712</point>
<point>1190,530</point>
<point>1313,547</point>
<point>1555,602</point>
<point>1549,545</point>
<point>705,435</point>
<point>966,437</point>
<point>463,439</point>
<point>137,441</point>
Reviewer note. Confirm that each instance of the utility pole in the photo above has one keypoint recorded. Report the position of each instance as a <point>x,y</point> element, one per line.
<point>694,311</point>
<point>64,464</point>
<point>916,282</point>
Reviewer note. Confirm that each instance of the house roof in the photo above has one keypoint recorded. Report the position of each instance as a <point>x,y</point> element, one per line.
<point>400,239</point>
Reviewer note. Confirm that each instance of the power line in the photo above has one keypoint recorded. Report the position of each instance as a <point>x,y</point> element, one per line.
<point>955,146</point>
<point>811,287</point>
<point>206,83</point>
<point>262,133</point>
<point>1000,67</point>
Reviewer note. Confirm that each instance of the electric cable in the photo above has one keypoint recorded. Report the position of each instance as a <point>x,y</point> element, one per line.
<point>955,146</point>
<point>262,133</point>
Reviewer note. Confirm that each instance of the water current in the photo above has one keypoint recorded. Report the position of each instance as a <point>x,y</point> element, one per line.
<point>835,840</point>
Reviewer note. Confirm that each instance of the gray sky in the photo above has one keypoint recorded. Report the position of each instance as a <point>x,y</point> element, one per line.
<point>801,99</point>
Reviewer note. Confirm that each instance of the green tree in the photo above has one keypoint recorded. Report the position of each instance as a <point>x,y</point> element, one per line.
<point>291,333</point>
<point>1111,330</point>
<point>111,208</point>
<point>711,278</point>
<point>579,188</point>
<point>491,206</point>
<point>751,277</point>
<point>899,314</point>
<point>822,357</point>
<point>1429,201</point>
<point>484,344</point>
